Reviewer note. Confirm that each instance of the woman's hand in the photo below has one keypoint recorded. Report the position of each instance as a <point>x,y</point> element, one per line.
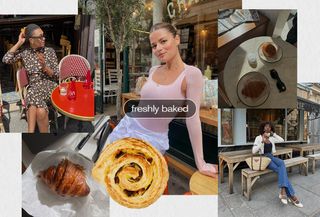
<point>41,60</point>
<point>21,39</point>
<point>44,67</point>
<point>208,169</point>
<point>265,138</point>
<point>20,42</point>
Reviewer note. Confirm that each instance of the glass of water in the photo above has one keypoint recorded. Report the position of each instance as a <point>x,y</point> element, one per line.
<point>63,87</point>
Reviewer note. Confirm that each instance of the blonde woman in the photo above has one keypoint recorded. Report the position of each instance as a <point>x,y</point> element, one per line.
<point>172,80</point>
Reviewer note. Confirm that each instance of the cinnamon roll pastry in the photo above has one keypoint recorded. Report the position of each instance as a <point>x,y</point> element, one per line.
<point>134,173</point>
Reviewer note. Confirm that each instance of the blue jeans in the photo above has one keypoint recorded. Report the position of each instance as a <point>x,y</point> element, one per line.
<point>278,166</point>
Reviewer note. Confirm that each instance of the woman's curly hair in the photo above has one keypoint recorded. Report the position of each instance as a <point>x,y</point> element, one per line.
<point>263,124</point>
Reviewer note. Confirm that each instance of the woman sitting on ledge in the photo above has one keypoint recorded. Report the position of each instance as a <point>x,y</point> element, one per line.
<point>172,80</point>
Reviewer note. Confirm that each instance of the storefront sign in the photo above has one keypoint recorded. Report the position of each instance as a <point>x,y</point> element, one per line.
<point>182,6</point>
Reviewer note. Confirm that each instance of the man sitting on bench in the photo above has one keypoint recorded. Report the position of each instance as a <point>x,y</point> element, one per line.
<point>265,144</point>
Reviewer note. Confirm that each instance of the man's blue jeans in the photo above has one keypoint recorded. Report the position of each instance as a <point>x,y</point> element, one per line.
<point>278,166</point>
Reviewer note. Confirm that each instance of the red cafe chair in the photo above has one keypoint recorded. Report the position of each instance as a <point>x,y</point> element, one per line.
<point>73,66</point>
<point>23,83</point>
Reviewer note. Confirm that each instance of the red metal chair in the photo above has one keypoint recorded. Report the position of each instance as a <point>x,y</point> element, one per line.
<point>23,82</point>
<point>73,66</point>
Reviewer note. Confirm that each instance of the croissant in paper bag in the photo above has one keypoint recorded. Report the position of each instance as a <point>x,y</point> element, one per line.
<point>67,179</point>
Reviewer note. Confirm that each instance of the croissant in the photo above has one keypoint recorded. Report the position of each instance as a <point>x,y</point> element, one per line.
<point>67,179</point>
<point>254,89</point>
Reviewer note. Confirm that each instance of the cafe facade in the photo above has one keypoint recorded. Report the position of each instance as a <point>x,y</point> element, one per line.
<point>196,22</point>
<point>239,127</point>
<point>309,100</point>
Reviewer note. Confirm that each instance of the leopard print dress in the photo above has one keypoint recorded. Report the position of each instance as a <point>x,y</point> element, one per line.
<point>40,84</point>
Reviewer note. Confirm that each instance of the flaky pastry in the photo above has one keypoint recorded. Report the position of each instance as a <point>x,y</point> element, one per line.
<point>66,179</point>
<point>134,173</point>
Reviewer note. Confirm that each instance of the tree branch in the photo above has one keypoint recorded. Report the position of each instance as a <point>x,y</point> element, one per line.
<point>112,33</point>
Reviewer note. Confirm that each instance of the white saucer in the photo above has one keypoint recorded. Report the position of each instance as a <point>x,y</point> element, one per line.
<point>268,59</point>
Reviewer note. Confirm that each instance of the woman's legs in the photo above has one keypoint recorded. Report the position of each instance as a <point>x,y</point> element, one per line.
<point>42,120</point>
<point>279,167</point>
<point>31,118</point>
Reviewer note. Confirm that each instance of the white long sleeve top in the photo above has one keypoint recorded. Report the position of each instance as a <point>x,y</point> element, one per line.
<point>258,145</point>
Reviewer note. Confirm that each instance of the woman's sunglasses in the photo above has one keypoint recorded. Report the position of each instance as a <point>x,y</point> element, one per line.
<point>280,85</point>
<point>41,37</point>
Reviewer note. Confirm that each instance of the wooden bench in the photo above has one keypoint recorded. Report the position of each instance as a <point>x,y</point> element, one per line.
<point>232,159</point>
<point>249,177</point>
<point>314,158</point>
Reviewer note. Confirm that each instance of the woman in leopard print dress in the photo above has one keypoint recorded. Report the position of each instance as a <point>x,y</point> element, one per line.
<point>41,65</point>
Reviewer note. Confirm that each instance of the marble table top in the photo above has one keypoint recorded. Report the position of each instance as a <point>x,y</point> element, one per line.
<point>238,65</point>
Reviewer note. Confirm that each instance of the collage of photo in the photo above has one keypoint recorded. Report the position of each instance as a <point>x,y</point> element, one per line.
<point>132,101</point>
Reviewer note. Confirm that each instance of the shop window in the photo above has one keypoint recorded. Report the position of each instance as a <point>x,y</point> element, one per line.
<point>187,43</point>
<point>226,126</point>
<point>256,116</point>
<point>292,124</point>
<point>140,57</point>
<point>205,47</point>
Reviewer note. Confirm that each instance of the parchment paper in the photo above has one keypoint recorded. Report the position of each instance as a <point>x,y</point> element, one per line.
<point>38,200</point>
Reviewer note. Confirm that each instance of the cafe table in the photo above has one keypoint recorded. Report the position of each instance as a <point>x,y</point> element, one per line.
<point>237,66</point>
<point>82,108</point>
<point>301,148</point>
<point>232,159</point>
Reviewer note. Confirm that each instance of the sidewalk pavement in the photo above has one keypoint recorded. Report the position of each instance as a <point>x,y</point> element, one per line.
<point>264,200</point>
